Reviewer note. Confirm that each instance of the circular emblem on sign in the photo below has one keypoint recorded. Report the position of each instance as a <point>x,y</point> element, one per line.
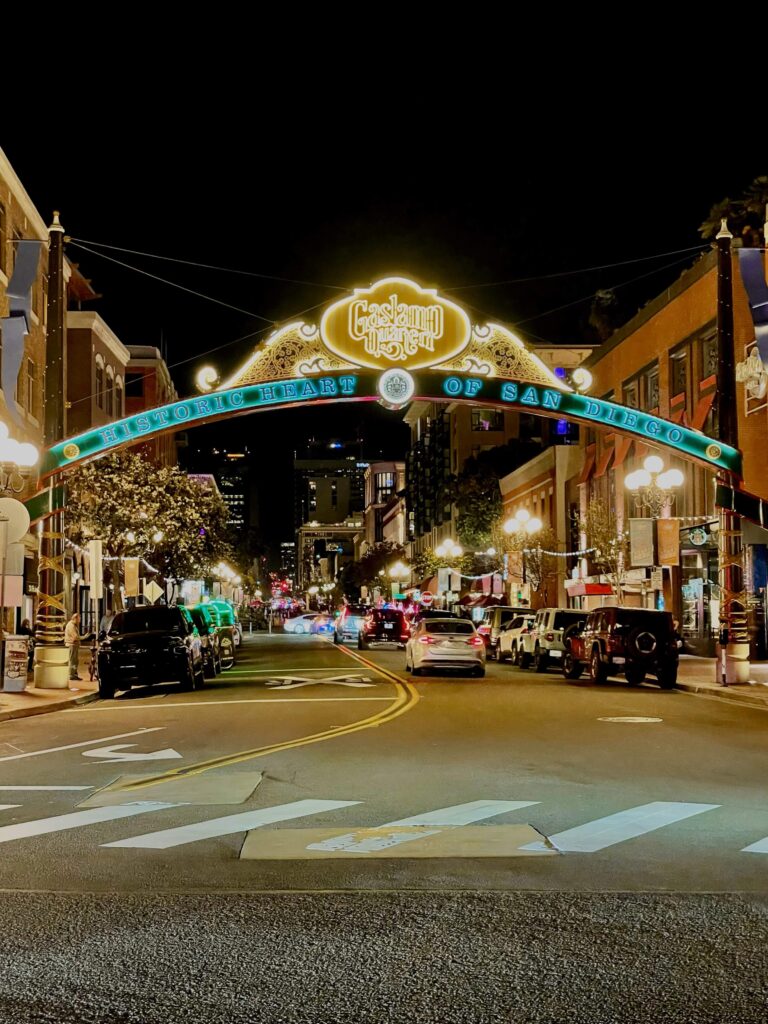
<point>714,451</point>
<point>71,451</point>
<point>698,535</point>
<point>396,387</point>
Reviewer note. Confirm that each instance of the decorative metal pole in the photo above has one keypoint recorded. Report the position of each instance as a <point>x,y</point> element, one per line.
<point>733,648</point>
<point>51,655</point>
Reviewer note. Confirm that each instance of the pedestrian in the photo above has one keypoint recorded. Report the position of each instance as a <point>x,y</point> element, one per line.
<point>25,629</point>
<point>72,641</point>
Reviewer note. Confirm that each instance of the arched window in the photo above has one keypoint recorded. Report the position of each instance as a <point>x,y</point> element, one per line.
<point>110,404</point>
<point>119,397</point>
<point>99,382</point>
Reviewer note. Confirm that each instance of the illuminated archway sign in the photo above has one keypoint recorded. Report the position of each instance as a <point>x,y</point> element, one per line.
<point>393,343</point>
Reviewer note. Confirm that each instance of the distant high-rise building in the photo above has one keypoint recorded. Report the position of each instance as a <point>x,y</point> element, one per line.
<point>288,559</point>
<point>235,479</point>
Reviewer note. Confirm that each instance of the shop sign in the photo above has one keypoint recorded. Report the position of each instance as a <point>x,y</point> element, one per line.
<point>641,541</point>
<point>668,539</point>
<point>657,578</point>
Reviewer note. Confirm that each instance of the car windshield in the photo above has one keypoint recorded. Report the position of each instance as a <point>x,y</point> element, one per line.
<point>633,618</point>
<point>387,615</point>
<point>564,619</point>
<point>356,610</point>
<point>199,619</point>
<point>449,626</point>
<point>140,620</point>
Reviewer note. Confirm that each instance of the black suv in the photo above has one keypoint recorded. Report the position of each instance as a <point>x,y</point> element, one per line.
<point>383,626</point>
<point>150,644</point>
<point>634,641</point>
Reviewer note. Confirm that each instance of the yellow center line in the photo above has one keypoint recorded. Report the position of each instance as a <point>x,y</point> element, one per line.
<point>407,697</point>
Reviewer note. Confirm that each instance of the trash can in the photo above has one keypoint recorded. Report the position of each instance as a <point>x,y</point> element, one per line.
<point>15,663</point>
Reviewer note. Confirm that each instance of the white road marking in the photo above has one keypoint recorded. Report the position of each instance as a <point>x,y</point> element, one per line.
<point>630,718</point>
<point>393,833</point>
<point>617,828</point>
<point>228,825</point>
<point>292,682</point>
<point>208,703</point>
<point>761,846</point>
<point>116,752</point>
<point>62,822</point>
<point>87,743</point>
<point>42,789</point>
<point>7,807</point>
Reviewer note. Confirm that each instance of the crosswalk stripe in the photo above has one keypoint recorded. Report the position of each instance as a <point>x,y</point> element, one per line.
<point>7,807</point>
<point>761,846</point>
<point>463,814</point>
<point>617,828</point>
<point>229,825</point>
<point>61,822</point>
<point>385,836</point>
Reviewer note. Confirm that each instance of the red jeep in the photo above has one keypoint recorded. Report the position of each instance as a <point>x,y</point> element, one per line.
<point>634,641</point>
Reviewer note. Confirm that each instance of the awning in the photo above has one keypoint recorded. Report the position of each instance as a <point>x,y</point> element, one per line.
<point>475,600</point>
<point>605,461</point>
<point>702,411</point>
<point>579,588</point>
<point>429,584</point>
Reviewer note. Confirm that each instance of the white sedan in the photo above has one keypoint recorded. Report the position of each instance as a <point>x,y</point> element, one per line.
<point>299,623</point>
<point>445,644</point>
<point>511,638</point>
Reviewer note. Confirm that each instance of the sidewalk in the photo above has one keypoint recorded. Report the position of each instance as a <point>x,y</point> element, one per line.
<point>38,702</point>
<point>697,675</point>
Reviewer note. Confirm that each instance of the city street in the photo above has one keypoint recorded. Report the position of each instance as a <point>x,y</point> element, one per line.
<point>516,781</point>
<point>123,814</point>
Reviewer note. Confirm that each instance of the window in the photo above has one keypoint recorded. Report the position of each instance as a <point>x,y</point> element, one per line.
<point>99,385</point>
<point>134,385</point>
<point>632,395</point>
<point>708,355</point>
<point>31,386</point>
<point>119,397</point>
<point>487,419</point>
<point>334,494</point>
<point>651,387</point>
<point>378,525</point>
<point>384,487</point>
<point>110,396</point>
<point>312,487</point>
<point>679,375</point>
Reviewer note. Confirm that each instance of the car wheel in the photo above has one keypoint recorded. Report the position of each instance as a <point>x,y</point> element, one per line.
<point>541,659</point>
<point>635,674</point>
<point>479,673</point>
<point>106,688</point>
<point>200,676</point>
<point>598,672</point>
<point>336,638</point>
<point>572,669</point>
<point>514,656</point>
<point>416,671</point>
<point>187,681</point>
<point>524,659</point>
<point>667,678</point>
<point>209,668</point>
<point>503,656</point>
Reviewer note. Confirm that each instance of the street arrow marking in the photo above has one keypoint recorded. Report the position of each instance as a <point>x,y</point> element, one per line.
<point>113,754</point>
<point>86,743</point>
<point>292,682</point>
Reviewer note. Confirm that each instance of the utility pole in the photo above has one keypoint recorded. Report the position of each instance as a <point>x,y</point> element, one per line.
<point>733,648</point>
<point>51,655</point>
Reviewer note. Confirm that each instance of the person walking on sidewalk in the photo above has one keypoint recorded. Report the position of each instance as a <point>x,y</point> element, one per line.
<point>72,641</point>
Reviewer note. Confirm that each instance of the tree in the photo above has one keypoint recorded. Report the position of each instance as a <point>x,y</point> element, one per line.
<point>478,504</point>
<point>605,533</point>
<point>128,501</point>
<point>745,215</point>
<point>542,569</point>
<point>366,571</point>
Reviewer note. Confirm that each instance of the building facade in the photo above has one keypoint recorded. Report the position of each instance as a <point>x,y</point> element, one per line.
<point>96,367</point>
<point>148,385</point>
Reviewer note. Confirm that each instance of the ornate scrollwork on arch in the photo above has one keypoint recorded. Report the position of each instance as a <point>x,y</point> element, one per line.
<point>494,351</point>
<point>295,350</point>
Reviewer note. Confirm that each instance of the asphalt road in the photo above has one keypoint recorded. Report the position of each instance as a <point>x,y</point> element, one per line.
<point>315,837</point>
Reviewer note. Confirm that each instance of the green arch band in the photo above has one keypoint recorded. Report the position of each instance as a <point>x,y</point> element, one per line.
<point>354,386</point>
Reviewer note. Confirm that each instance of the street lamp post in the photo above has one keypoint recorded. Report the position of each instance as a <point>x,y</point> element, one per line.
<point>652,487</point>
<point>449,549</point>
<point>398,574</point>
<point>521,524</point>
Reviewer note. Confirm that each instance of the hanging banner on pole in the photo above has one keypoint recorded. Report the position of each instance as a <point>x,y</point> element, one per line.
<point>641,541</point>
<point>131,569</point>
<point>95,565</point>
<point>668,539</point>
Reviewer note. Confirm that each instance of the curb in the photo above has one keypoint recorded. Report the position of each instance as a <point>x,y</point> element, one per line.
<point>726,693</point>
<point>6,716</point>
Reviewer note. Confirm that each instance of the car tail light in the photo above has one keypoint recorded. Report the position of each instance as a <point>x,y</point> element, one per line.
<point>475,641</point>
<point>427,640</point>
<point>525,629</point>
<point>405,636</point>
<point>549,636</point>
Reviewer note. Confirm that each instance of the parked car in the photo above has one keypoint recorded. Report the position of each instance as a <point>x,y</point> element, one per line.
<point>300,623</point>
<point>203,620</point>
<point>150,644</point>
<point>349,622</point>
<point>511,638</point>
<point>545,640</point>
<point>431,613</point>
<point>322,624</point>
<point>227,627</point>
<point>493,619</point>
<point>384,627</point>
<point>634,641</point>
<point>445,644</point>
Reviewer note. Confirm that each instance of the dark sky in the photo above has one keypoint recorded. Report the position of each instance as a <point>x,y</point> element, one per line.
<point>336,207</point>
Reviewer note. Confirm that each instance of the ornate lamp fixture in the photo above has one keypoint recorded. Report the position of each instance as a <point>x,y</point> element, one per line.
<point>522,520</point>
<point>449,549</point>
<point>16,462</point>
<point>652,487</point>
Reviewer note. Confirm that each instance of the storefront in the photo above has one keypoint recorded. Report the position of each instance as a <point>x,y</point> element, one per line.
<point>699,588</point>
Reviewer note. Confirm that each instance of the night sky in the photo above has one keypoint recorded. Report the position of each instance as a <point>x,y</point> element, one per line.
<point>326,209</point>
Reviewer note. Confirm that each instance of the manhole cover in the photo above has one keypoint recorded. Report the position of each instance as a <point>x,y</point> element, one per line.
<point>630,718</point>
